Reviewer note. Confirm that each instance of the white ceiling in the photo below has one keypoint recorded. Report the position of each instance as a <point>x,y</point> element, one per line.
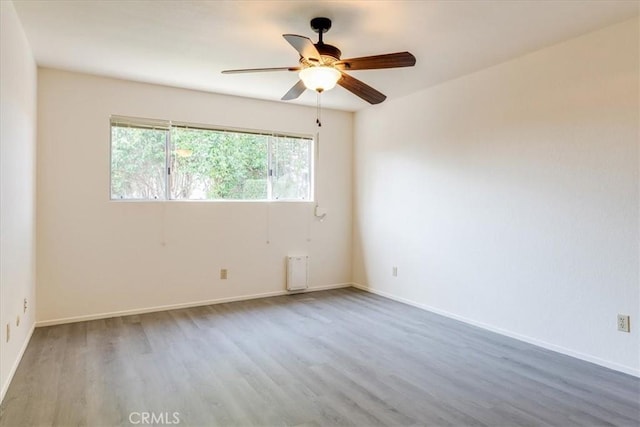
<point>187,43</point>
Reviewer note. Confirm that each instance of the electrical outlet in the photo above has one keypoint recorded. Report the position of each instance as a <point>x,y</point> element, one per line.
<point>623,322</point>
<point>18,320</point>
<point>223,273</point>
<point>394,271</point>
<point>24,306</point>
<point>8,331</point>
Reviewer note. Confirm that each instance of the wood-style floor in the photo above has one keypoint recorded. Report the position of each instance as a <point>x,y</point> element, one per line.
<point>341,357</point>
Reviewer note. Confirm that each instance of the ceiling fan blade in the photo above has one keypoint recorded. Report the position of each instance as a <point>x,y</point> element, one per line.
<point>295,91</point>
<point>390,60</point>
<point>361,89</point>
<point>260,70</point>
<point>304,46</point>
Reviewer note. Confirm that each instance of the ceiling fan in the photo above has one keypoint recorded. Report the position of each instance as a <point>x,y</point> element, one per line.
<point>320,67</point>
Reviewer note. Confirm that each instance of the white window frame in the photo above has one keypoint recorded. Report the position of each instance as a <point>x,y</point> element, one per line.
<point>167,125</point>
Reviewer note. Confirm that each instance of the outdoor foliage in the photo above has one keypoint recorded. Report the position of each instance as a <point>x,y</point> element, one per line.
<point>137,163</point>
<point>208,165</point>
<point>216,165</point>
<point>291,168</point>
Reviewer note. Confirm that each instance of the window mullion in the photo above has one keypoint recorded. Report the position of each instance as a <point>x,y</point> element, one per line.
<point>270,168</point>
<point>167,169</point>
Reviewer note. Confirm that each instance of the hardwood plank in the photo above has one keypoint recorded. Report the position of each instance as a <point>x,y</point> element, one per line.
<point>338,357</point>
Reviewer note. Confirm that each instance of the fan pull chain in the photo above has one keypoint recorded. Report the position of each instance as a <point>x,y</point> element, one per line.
<point>318,111</point>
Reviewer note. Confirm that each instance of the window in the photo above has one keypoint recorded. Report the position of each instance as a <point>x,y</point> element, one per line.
<point>167,161</point>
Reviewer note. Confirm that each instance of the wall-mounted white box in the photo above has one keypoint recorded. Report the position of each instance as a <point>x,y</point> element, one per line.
<point>297,273</point>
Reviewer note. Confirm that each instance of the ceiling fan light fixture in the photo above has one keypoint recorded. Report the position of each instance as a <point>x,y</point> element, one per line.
<point>320,78</point>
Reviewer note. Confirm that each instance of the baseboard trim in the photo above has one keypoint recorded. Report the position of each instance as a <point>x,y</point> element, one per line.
<point>16,363</point>
<point>134,311</point>
<point>553,347</point>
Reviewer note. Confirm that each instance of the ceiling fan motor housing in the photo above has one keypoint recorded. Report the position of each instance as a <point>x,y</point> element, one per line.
<point>329,53</point>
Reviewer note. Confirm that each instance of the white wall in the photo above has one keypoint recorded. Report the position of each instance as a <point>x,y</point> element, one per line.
<point>97,256</point>
<point>509,197</point>
<point>17,190</point>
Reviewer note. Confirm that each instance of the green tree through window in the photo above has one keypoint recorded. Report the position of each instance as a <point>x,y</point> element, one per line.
<point>137,163</point>
<point>191,163</point>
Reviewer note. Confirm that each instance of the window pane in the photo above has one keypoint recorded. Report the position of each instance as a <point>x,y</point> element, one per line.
<point>209,165</point>
<point>137,163</point>
<point>292,168</point>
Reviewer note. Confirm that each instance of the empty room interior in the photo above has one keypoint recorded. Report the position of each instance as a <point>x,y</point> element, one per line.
<point>320,213</point>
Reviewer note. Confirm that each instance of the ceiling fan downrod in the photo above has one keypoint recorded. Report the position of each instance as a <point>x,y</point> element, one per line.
<point>320,26</point>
